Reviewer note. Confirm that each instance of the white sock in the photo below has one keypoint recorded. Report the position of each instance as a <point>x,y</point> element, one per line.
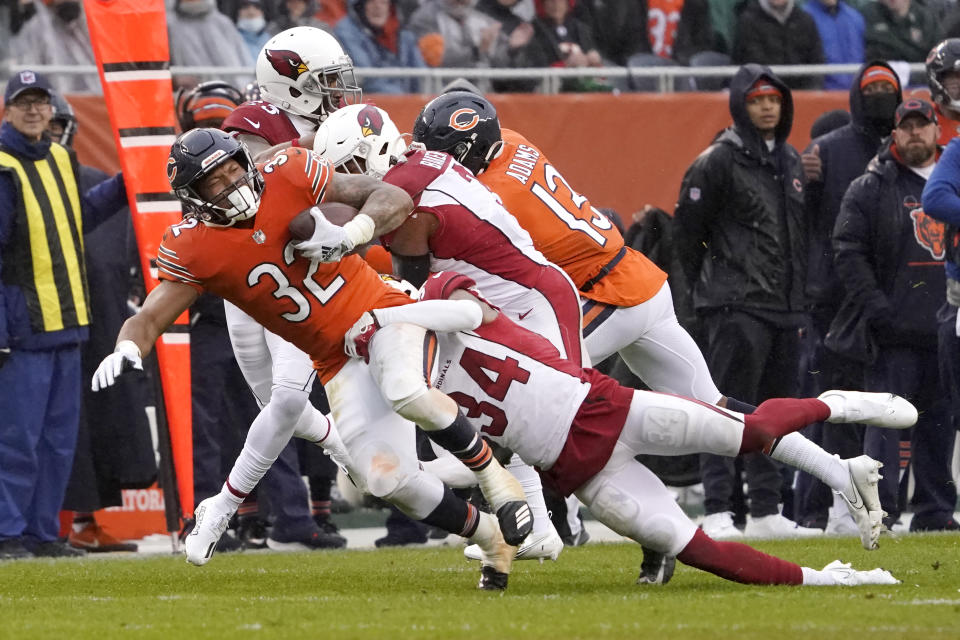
<point>797,451</point>
<point>448,468</point>
<point>533,489</point>
<point>246,473</point>
<point>816,578</point>
<point>313,426</point>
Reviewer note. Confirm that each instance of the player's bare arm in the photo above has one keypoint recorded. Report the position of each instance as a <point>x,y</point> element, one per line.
<point>410,247</point>
<point>382,208</point>
<point>161,308</point>
<point>387,205</point>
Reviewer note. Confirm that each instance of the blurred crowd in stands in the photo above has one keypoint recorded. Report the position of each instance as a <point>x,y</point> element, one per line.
<point>513,34</point>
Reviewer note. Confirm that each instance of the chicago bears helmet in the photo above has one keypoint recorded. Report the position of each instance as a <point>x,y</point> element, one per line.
<point>463,124</point>
<point>207,104</point>
<point>304,70</point>
<point>193,157</point>
<point>360,139</point>
<point>943,58</point>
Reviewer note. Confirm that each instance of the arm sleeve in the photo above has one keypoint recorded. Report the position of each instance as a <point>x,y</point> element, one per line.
<point>852,242</point>
<point>700,196</point>
<point>434,315</point>
<point>941,196</point>
<point>103,200</point>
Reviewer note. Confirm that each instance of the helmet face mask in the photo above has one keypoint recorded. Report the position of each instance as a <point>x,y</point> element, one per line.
<point>194,158</point>
<point>360,139</point>
<point>305,71</point>
<point>463,124</point>
<point>943,59</point>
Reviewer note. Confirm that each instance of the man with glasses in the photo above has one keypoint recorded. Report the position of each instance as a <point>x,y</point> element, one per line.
<point>44,316</point>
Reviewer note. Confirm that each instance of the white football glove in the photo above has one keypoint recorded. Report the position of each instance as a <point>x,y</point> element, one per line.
<point>330,243</point>
<point>356,341</point>
<point>124,358</point>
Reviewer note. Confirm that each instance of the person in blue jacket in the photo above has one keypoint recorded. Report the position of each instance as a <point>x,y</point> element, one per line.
<point>44,316</point>
<point>941,201</point>
<point>372,37</point>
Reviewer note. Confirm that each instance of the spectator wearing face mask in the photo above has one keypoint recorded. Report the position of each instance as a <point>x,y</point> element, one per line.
<point>372,37</point>
<point>58,35</point>
<point>251,21</point>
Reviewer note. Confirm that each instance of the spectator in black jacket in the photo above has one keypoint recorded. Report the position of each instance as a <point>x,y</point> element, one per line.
<point>831,163</point>
<point>740,238</point>
<point>779,32</point>
<point>561,40</point>
<point>889,254</point>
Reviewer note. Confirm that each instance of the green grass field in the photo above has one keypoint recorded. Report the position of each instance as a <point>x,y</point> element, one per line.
<point>430,593</point>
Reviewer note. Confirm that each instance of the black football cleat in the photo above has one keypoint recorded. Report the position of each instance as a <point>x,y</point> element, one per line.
<point>492,580</point>
<point>656,568</point>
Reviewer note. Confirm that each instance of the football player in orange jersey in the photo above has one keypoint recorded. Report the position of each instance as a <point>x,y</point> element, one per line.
<point>235,242</point>
<point>627,306</point>
<point>943,78</point>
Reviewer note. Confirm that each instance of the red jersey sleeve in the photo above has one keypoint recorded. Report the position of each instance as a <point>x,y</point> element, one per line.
<point>173,255</point>
<point>261,119</point>
<point>417,171</point>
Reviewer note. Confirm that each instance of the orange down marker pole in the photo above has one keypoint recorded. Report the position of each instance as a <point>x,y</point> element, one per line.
<point>130,44</point>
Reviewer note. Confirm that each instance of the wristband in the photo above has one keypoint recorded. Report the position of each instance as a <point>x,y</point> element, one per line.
<point>360,230</point>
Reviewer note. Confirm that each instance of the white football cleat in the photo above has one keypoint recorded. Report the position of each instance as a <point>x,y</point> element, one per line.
<point>508,501</point>
<point>877,409</point>
<point>863,499</point>
<point>719,526</point>
<point>846,576</point>
<point>535,547</point>
<point>211,520</point>
<point>777,527</point>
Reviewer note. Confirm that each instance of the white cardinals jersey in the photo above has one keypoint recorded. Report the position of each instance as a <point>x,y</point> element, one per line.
<point>511,396</point>
<point>513,386</point>
<point>478,238</point>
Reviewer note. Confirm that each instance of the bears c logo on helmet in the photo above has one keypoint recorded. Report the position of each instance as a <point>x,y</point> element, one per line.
<point>371,122</point>
<point>464,119</point>
<point>287,63</point>
<point>171,169</point>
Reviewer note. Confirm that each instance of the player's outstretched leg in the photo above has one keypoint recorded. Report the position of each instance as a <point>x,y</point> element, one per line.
<point>631,500</point>
<point>397,356</point>
<point>741,563</point>
<point>854,480</point>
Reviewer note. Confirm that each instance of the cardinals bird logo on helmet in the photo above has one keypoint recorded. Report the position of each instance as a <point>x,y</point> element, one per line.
<point>285,62</point>
<point>371,121</point>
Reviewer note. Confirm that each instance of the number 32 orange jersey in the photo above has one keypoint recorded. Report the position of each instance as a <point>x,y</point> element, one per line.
<point>308,303</point>
<point>567,229</point>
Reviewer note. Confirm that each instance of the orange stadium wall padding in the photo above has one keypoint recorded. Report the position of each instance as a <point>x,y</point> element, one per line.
<point>620,151</point>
